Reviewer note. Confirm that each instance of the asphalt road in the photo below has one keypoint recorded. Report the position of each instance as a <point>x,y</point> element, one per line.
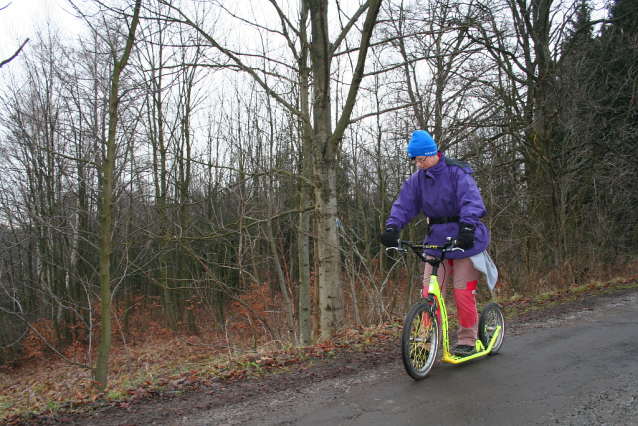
<point>583,372</point>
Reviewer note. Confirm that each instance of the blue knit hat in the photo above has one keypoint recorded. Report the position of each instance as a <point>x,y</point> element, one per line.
<point>421,144</point>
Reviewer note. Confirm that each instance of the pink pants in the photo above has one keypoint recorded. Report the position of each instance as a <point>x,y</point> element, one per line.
<point>465,277</point>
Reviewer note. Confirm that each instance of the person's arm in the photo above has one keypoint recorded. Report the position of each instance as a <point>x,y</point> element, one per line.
<point>472,209</point>
<point>470,200</point>
<point>403,210</point>
<point>406,206</point>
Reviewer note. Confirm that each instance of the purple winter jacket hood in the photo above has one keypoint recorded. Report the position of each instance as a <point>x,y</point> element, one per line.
<point>440,191</point>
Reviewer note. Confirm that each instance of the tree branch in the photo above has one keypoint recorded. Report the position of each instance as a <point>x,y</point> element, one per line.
<point>6,61</point>
<point>234,58</point>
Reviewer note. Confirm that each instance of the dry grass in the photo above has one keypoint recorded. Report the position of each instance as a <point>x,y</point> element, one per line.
<point>46,383</point>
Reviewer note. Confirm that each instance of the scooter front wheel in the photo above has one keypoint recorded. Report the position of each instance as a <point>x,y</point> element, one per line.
<point>420,340</point>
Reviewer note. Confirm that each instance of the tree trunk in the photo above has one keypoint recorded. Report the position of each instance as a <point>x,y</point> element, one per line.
<point>104,348</point>
<point>184,164</point>
<point>329,264</point>
<point>290,322</point>
<point>303,243</point>
<point>303,233</point>
<point>327,144</point>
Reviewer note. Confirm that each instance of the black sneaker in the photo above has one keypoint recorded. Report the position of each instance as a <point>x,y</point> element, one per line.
<point>464,350</point>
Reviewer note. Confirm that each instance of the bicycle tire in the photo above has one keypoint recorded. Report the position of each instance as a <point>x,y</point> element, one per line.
<point>419,340</point>
<point>491,317</point>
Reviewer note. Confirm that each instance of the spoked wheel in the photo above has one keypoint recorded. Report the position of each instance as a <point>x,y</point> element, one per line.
<point>420,340</point>
<point>491,318</point>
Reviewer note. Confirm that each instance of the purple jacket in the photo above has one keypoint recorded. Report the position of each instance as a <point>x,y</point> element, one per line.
<point>440,191</point>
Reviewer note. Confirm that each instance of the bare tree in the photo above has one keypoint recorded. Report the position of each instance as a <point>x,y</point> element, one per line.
<point>326,141</point>
<point>119,63</point>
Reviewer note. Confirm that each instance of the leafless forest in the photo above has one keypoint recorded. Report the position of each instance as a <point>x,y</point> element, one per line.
<point>227,167</point>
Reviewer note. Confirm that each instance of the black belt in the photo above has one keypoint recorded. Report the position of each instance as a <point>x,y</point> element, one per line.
<point>442,220</point>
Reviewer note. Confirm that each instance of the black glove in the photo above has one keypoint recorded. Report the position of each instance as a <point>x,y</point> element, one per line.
<point>465,240</point>
<point>390,237</point>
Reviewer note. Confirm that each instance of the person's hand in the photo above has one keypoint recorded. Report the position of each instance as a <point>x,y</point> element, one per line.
<point>449,246</point>
<point>465,240</point>
<point>390,237</point>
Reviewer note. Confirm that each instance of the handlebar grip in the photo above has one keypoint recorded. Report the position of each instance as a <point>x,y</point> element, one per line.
<point>395,248</point>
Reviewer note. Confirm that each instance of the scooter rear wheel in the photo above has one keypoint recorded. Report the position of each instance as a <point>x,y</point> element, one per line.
<point>491,317</point>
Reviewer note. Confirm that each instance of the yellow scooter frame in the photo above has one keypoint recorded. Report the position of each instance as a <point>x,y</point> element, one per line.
<point>434,291</point>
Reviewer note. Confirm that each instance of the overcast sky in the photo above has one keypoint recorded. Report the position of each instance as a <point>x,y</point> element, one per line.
<point>20,19</point>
